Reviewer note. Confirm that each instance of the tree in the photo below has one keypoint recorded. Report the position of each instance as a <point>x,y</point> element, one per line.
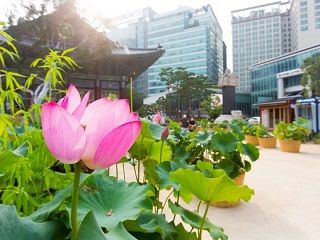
<point>311,76</point>
<point>212,106</point>
<point>185,88</point>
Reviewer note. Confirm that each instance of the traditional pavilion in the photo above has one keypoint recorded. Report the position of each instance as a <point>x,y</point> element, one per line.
<point>105,66</point>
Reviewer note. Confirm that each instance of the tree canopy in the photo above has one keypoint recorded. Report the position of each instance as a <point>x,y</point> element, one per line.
<point>311,76</point>
<point>187,87</point>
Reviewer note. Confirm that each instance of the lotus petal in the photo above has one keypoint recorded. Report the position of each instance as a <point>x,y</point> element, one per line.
<point>114,145</point>
<point>100,118</point>
<point>82,106</point>
<point>63,133</point>
<point>72,99</point>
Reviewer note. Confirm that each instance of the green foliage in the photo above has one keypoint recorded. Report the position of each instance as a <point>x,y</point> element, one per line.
<point>194,220</point>
<point>311,76</point>
<point>263,132</point>
<point>111,201</point>
<point>19,228</point>
<point>213,189</point>
<point>291,131</point>
<point>186,87</point>
<point>212,107</point>
<point>54,64</point>
<point>316,138</point>
<point>250,129</point>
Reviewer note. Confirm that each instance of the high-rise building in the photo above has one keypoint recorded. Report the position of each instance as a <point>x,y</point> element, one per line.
<point>192,39</point>
<point>131,30</point>
<point>305,21</point>
<point>257,35</point>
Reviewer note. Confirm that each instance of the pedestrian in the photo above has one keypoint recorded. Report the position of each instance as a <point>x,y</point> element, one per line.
<point>192,124</point>
<point>184,123</point>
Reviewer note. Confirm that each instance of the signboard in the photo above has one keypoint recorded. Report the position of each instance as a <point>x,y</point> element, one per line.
<point>264,117</point>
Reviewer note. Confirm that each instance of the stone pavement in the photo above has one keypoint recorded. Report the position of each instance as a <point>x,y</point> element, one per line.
<point>286,203</point>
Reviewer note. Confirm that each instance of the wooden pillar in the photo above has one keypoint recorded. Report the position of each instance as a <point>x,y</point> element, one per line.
<point>122,87</point>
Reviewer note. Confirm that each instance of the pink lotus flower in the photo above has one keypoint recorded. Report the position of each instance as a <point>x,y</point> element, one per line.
<point>99,134</point>
<point>157,118</point>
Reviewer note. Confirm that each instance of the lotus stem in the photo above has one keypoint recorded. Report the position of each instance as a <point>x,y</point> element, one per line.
<point>162,142</point>
<point>139,163</point>
<point>203,219</point>
<point>198,208</point>
<point>117,171</point>
<point>131,95</point>
<point>177,202</point>
<point>165,202</point>
<point>75,195</point>
<point>124,172</point>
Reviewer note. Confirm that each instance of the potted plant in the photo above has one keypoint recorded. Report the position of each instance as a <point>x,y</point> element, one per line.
<point>266,138</point>
<point>228,152</point>
<point>316,138</point>
<point>250,133</point>
<point>290,136</point>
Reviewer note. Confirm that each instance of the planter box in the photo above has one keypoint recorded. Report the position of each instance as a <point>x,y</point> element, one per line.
<point>292,146</point>
<point>252,139</point>
<point>239,181</point>
<point>270,142</point>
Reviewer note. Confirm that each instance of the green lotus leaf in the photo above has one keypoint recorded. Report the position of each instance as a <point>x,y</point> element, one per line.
<point>207,169</point>
<point>224,142</point>
<point>89,229</point>
<point>151,130</point>
<point>150,172</point>
<point>237,130</point>
<point>194,220</point>
<point>215,189</point>
<point>112,201</point>
<point>203,138</point>
<point>157,223</point>
<point>250,150</point>
<point>47,209</point>
<point>163,170</point>
<point>150,149</point>
<point>21,228</point>
<point>184,234</point>
<point>119,233</point>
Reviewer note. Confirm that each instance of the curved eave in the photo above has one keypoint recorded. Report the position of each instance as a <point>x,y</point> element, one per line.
<point>132,61</point>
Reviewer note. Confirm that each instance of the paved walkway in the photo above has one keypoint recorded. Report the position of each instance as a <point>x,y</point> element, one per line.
<point>286,203</point>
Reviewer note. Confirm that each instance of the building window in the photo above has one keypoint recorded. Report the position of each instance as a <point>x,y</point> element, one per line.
<point>304,28</point>
<point>304,22</point>
<point>303,4</point>
<point>304,15</point>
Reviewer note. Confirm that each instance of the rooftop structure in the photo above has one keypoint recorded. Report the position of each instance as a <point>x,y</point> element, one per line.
<point>106,66</point>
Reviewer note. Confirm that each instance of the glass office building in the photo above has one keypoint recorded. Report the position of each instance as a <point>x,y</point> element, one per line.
<point>258,33</point>
<point>192,39</point>
<point>279,77</point>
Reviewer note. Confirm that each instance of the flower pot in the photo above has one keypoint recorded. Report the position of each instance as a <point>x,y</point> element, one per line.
<point>292,146</point>
<point>239,181</point>
<point>268,142</point>
<point>252,139</point>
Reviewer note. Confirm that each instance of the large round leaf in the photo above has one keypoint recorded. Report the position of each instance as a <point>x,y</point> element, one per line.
<point>151,130</point>
<point>194,220</point>
<point>112,201</point>
<point>208,189</point>
<point>224,142</point>
<point>14,227</point>
<point>90,229</point>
